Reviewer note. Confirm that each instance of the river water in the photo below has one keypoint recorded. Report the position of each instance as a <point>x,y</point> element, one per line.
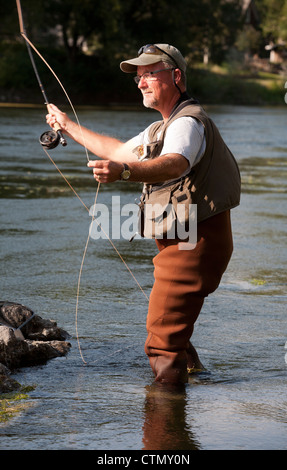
<point>109,402</point>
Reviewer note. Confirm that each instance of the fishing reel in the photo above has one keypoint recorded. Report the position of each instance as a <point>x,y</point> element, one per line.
<point>51,139</point>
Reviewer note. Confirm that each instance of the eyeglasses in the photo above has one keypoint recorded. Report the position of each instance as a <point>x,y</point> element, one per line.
<point>148,75</point>
<point>153,49</point>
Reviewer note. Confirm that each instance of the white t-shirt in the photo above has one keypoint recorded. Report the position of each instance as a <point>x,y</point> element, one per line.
<point>184,136</point>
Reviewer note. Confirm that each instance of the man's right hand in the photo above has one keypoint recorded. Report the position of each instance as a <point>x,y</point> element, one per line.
<point>57,116</point>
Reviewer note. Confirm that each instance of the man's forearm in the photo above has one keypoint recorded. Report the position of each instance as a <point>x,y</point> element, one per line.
<point>105,147</point>
<point>166,167</point>
<point>157,170</point>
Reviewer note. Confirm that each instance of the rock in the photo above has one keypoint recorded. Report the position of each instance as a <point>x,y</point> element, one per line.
<point>7,384</point>
<point>19,353</point>
<point>26,340</point>
<point>32,326</point>
<point>43,330</point>
<point>13,314</point>
<point>11,349</point>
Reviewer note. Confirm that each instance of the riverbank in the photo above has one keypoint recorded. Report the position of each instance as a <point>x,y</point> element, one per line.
<point>25,340</point>
<point>224,85</point>
<point>209,84</point>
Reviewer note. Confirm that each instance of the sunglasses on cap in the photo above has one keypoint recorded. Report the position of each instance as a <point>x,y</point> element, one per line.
<point>153,49</point>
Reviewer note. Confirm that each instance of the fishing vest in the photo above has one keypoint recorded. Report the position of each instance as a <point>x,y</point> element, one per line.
<point>213,184</point>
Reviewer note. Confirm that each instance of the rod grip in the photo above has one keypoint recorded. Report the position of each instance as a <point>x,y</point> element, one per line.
<point>58,129</point>
<point>56,126</point>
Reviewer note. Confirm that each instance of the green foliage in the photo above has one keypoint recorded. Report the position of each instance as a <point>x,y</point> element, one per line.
<point>12,403</point>
<point>120,27</point>
<point>214,85</point>
<point>273,19</point>
<point>112,30</point>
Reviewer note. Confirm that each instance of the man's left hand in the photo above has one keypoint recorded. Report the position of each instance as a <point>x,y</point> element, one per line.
<point>106,171</point>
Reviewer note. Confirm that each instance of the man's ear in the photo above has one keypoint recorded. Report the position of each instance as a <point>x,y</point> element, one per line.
<point>177,75</point>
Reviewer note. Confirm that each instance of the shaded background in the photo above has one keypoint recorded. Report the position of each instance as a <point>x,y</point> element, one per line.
<point>224,43</point>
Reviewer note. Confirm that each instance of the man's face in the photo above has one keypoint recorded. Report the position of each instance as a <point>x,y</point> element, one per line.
<point>158,88</point>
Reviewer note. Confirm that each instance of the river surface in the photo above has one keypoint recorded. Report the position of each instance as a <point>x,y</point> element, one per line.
<point>109,402</point>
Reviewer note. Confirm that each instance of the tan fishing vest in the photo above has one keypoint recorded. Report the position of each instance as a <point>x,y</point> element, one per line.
<point>213,184</point>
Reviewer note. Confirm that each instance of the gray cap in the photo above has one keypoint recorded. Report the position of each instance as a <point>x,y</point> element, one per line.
<point>153,53</point>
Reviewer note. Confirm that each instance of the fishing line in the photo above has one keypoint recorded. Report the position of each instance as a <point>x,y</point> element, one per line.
<point>79,282</point>
<point>95,220</point>
<point>85,252</point>
<point>49,140</point>
<point>82,265</point>
<point>30,45</point>
<point>66,180</point>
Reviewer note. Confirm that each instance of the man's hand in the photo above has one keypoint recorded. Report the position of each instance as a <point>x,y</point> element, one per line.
<point>106,171</point>
<point>57,116</point>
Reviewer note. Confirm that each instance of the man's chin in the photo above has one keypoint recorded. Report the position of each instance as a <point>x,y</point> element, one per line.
<point>149,103</point>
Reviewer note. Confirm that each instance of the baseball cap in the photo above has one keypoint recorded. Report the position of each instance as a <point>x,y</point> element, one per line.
<point>153,53</point>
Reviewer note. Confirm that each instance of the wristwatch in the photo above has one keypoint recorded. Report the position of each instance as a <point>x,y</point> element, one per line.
<point>126,173</point>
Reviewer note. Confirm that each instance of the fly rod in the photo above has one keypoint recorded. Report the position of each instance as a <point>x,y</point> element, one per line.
<point>49,139</point>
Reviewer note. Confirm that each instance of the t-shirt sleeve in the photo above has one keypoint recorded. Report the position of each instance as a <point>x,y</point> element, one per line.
<point>185,136</point>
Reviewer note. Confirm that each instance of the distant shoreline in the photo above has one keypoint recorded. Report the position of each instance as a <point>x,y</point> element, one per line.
<point>211,86</point>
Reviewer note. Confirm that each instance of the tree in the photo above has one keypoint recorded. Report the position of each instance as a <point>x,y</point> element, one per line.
<point>71,23</point>
<point>213,27</point>
<point>192,26</point>
<point>120,27</point>
<point>274,19</point>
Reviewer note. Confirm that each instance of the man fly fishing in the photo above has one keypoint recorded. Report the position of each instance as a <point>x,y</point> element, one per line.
<point>182,161</point>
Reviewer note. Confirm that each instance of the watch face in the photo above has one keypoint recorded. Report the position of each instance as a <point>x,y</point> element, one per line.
<point>126,174</point>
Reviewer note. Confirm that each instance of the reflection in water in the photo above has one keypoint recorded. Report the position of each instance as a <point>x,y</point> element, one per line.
<point>165,426</point>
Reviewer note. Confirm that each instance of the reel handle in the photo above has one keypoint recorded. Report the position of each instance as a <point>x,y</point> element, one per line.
<point>62,138</point>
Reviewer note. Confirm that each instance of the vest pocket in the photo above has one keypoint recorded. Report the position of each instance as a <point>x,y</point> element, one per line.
<point>167,212</point>
<point>181,201</point>
<point>159,215</point>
